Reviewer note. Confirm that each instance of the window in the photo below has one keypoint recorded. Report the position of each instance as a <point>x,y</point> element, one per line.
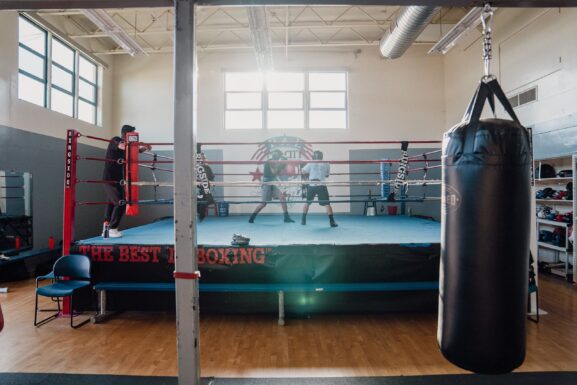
<point>59,78</point>
<point>32,58</point>
<point>285,100</point>
<point>243,102</point>
<point>87,90</point>
<point>328,100</point>
<point>62,88</point>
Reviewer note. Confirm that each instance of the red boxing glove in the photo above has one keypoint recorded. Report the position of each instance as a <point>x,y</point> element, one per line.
<point>290,170</point>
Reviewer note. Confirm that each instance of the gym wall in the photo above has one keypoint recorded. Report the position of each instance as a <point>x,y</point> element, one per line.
<point>32,139</point>
<point>532,47</point>
<point>26,116</point>
<point>383,95</point>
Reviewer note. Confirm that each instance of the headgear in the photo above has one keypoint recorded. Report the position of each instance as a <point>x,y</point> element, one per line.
<point>127,128</point>
<point>317,155</point>
<point>276,154</point>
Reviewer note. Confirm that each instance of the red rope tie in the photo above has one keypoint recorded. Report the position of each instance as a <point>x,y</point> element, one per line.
<point>182,275</point>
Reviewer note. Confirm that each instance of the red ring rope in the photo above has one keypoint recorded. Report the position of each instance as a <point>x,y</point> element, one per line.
<point>323,142</point>
<point>95,138</point>
<point>97,181</point>
<point>378,161</point>
<point>302,142</point>
<point>96,159</point>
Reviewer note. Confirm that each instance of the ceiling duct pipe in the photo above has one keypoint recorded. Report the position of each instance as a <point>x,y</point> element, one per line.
<point>407,27</point>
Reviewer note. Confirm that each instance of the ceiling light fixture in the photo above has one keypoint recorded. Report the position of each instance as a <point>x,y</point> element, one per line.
<point>468,22</point>
<point>260,34</point>
<point>106,24</point>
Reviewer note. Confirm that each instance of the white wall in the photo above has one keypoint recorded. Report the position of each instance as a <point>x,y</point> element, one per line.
<point>383,95</point>
<point>531,47</point>
<point>26,116</point>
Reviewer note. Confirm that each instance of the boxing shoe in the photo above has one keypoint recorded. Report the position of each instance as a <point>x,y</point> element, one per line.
<point>239,240</point>
<point>114,233</point>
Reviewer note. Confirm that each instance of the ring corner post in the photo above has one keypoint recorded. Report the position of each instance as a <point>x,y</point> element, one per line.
<point>131,165</point>
<point>70,159</point>
<point>187,315</point>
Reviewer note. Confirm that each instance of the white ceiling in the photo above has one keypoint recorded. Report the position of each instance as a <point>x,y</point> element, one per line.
<point>219,28</point>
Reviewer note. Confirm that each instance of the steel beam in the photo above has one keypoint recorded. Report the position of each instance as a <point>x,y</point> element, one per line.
<point>83,4</point>
<point>185,240</point>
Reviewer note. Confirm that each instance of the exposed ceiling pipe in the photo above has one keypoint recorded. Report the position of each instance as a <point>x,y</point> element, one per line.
<point>407,27</point>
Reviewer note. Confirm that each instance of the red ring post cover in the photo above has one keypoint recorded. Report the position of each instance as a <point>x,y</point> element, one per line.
<point>131,172</point>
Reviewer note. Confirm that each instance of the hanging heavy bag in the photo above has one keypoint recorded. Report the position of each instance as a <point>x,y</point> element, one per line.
<point>485,238</point>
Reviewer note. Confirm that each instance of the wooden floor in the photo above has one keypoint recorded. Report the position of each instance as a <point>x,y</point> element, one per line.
<point>255,346</point>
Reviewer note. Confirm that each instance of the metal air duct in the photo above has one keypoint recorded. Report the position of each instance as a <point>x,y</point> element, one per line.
<point>408,26</point>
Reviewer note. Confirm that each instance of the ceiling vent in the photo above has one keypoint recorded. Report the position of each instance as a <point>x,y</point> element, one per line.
<point>524,97</point>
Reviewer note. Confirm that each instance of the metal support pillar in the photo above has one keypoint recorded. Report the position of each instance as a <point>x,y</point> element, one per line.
<point>185,242</point>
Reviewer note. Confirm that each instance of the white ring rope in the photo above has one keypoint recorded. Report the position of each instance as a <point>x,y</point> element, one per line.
<point>414,182</point>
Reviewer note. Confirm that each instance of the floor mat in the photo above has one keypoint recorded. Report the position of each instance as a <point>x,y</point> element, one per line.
<point>532,378</point>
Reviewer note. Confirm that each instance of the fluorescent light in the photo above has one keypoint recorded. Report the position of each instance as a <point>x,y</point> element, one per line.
<point>260,33</point>
<point>469,21</point>
<point>106,24</point>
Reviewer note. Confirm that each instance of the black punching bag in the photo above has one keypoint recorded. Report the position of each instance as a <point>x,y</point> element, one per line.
<point>485,232</point>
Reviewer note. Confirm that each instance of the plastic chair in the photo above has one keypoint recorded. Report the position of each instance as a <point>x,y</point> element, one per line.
<point>50,276</point>
<point>76,269</point>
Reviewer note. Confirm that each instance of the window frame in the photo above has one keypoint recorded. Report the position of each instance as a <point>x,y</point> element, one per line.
<point>306,93</point>
<point>48,66</point>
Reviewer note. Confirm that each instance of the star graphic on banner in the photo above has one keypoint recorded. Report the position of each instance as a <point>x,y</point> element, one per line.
<point>256,175</point>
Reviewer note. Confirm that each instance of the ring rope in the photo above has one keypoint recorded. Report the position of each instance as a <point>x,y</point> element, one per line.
<point>94,138</point>
<point>381,200</point>
<point>98,181</point>
<point>425,154</point>
<point>157,155</point>
<point>293,162</point>
<point>414,182</point>
<point>119,161</point>
<point>322,142</point>
<point>155,168</point>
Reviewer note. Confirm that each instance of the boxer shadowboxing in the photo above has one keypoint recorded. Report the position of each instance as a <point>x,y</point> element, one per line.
<point>115,193</point>
<point>271,173</point>
<point>317,172</point>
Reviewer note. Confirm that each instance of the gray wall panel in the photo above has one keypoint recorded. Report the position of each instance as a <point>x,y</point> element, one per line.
<point>427,208</point>
<point>43,157</point>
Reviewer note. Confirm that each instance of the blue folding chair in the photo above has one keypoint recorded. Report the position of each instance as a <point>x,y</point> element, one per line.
<point>76,269</point>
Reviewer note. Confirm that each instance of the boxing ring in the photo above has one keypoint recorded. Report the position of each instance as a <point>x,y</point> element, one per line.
<point>367,264</point>
<point>363,250</point>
